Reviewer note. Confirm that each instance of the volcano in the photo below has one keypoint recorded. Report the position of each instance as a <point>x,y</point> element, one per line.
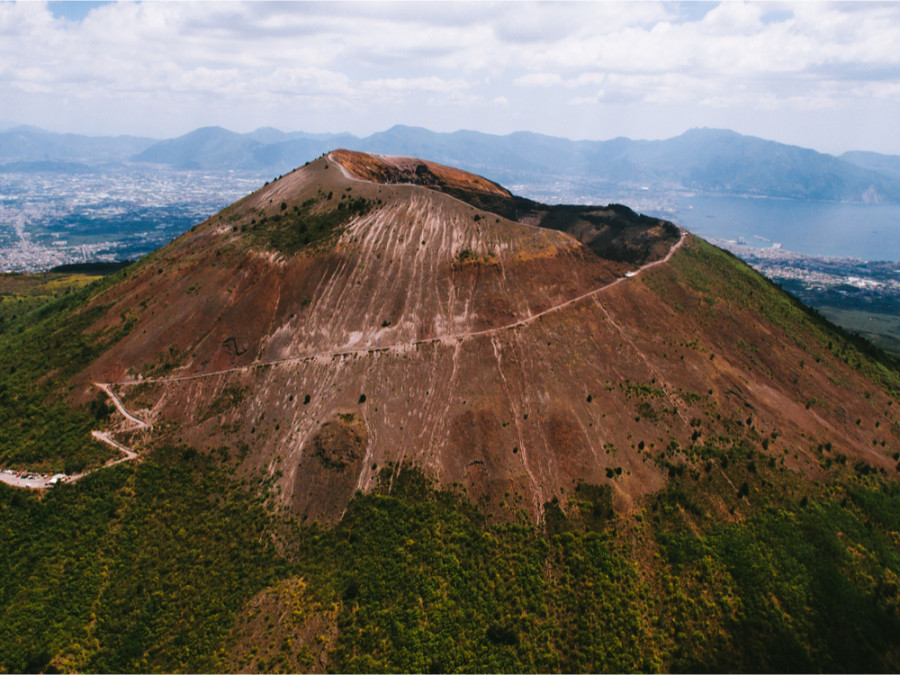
<point>383,415</point>
<point>365,313</point>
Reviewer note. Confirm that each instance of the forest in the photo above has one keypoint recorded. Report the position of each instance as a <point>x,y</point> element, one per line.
<point>168,565</point>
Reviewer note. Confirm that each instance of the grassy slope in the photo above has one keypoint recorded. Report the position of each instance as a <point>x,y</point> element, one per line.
<point>425,584</point>
<point>132,569</point>
<point>799,576</point>
<point>720,278</point>
<point>139,568</point>
<point>42,343</point>
<point>883,330</point>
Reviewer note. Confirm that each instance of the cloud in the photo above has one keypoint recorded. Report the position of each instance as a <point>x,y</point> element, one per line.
<point>740,50</point>
<point>733,19</point>
<point>416,84</point>
<point>538,80</point>
<point>587,100</point>
<point>245,64</point>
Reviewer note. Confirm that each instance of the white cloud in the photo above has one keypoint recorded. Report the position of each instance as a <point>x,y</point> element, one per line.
<point>538,80</point>
<point>245,64</point>
<point>587,100</point>
<point>416,84</point>
<point>731,19</point>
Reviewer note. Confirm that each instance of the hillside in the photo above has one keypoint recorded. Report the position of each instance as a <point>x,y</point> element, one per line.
<point>215,148</point>
<point>417,275</point>
<point>390,416</point>
<point>713,161</point>
<point>874,161</point>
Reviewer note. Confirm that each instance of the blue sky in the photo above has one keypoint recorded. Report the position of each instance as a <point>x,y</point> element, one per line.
<point>821,75</point>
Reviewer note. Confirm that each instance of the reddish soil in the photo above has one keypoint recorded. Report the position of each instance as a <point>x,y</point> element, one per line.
<point>406,322</point>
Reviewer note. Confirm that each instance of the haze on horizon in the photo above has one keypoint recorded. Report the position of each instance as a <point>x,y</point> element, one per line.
<point>820,75</point>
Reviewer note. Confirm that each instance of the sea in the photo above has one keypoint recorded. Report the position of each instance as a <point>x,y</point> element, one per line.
<point>831,229</point>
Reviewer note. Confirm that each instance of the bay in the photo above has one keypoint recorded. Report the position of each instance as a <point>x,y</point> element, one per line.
<point>832,229</point>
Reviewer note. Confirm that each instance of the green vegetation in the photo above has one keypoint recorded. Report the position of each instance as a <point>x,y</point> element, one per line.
<point>313,222</point>
<point>466,255</point>
<point>39,350</point>
<point>175,564</point>
<point>136,568</point>
<point>474,597</point>
<point>882,329</point>
<point>805,586</point>
<point>22,293</point>
<point>150,567</point>
<point>424,583</point>
<point>729,287</point>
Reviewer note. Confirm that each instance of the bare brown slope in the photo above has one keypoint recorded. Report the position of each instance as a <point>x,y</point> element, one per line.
<point>388,169</point>
<point>502,358</point>
<point>613,232</point>
<point>622,380</point>
<point>417,265</point>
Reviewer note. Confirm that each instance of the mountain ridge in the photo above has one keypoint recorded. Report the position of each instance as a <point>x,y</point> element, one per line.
<point>713,161</point>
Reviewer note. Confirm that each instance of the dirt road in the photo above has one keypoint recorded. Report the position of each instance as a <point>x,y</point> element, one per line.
<point>38,481</point>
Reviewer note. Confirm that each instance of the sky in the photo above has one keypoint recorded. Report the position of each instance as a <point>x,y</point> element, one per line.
<point>819,75</point>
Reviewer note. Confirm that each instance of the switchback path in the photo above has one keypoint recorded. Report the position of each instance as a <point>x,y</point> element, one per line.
<point>36,481</point>
<point>138,423</point>
<point>401,346</point>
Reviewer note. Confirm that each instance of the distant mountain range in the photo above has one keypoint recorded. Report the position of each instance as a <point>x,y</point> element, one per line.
<point>712,161</point>
<point>31,144</point>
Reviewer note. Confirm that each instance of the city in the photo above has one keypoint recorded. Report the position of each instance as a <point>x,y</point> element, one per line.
<point>121,213</point>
